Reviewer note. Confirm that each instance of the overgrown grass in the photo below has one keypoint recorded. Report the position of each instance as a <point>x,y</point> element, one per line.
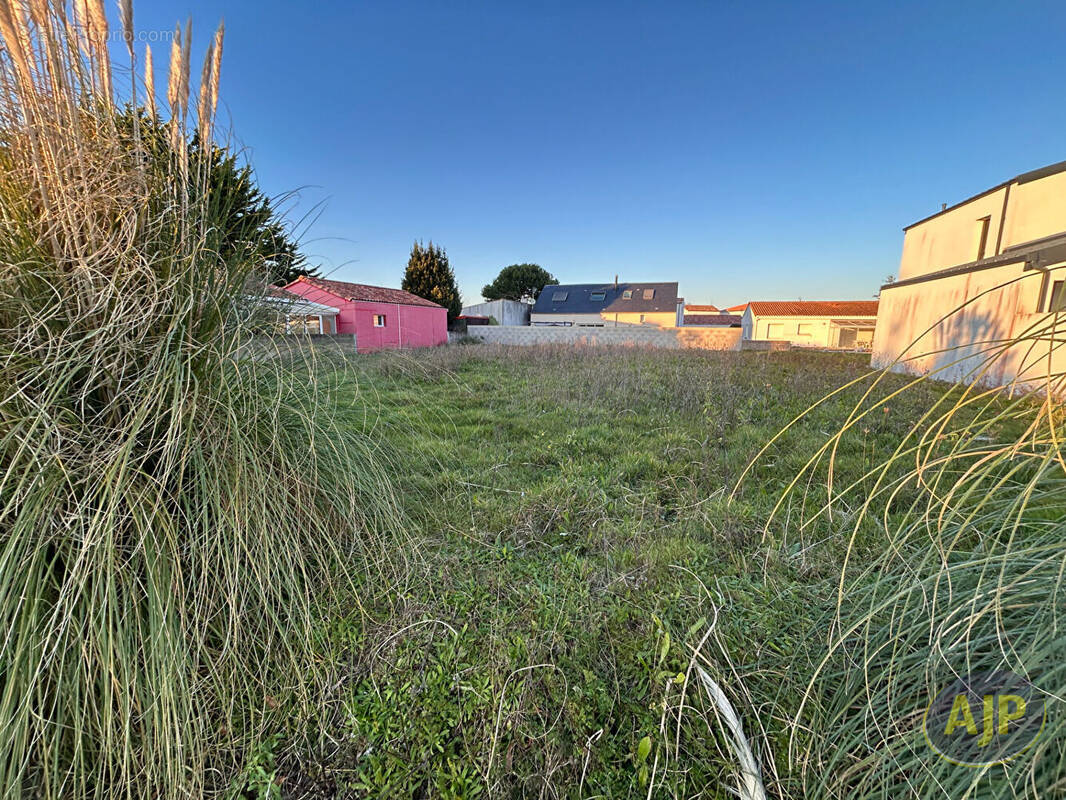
<point>578,542</point>
<point>969,582</point>
<point>176,508</point>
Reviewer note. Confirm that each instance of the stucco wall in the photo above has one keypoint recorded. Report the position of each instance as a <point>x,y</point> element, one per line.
<point>919,323</point>
<point>405,326</point>
<point>705,338</point>
<point>1036,209</point>
<point>1028,211</point>
<point>505,312</point>
<point>951,239</point>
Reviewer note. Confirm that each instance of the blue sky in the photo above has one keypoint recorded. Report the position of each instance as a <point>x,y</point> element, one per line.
<point>748,150</point>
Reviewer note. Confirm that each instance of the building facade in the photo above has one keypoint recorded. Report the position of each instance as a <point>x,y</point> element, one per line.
<point>379,317</point>
<point>605,305</point>
<point>979,286</point>
<point>838,324</point>
<point>505,312</point>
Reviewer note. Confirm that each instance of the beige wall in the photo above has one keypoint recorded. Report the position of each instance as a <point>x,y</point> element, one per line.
<point>658,319</point>
<point>920,325</point>
<point>1036,209</point>
<point>951,238</point>
<point>1028,211</point>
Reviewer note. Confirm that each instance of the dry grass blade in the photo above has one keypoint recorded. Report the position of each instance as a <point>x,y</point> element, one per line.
<point>750,786</point>
<point>149,82</point>
<point>216,67</point>
<point>203,110</point>
<point>126,15</point>
<point>174,73</point>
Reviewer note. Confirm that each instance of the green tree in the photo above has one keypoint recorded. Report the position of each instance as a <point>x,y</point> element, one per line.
<point>251,222</point>
<point>430,276</point>
<point>519,282</point>
<point>250,227</point>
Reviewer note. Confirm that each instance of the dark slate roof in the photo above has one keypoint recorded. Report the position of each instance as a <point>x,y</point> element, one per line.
<point>579,298</point>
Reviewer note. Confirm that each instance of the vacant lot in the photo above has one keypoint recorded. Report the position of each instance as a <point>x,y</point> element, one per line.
<point>575,543</point>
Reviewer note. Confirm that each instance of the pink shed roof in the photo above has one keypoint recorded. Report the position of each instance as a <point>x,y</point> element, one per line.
<point>814,308</point>
<point>361,291</point>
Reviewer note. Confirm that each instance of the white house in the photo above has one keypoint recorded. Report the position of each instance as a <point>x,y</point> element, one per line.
<point>845,324</point>
<point>982,288</point>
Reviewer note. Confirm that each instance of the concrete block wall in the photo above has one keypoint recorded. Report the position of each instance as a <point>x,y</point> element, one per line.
<point>766,345</point>
<point>671,338</point>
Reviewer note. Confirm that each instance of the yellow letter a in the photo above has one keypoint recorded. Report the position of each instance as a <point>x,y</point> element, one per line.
<point>961,716</point>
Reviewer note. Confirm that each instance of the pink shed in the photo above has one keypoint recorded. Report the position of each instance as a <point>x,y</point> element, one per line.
<point>379,317</point>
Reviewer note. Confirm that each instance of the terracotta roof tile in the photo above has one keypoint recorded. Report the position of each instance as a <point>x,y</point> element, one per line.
<point>361,291</point>
<point>698,309</point>
<point>814,308</point>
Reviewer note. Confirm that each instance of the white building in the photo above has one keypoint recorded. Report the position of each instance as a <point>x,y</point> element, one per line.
<point>845,324</point>
<point>505,312</point>
<point>982,288</point>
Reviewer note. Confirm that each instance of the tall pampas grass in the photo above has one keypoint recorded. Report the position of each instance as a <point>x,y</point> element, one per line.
<point>970,511</point>
<point>177,506</point>
<point>149,82</point>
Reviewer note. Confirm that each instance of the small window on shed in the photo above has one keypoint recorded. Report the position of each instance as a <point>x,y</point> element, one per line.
<point>379,320</point>
<point>558,297</point>
<point>1058,296</point>
<point>597,295</point>
<point>627,294</point>
<point>649,294</point>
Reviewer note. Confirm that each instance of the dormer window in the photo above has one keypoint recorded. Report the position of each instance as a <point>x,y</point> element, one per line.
<point>627,294</point>
<point>649,294</point>
<point>597,295</point>
<point>559,297</point>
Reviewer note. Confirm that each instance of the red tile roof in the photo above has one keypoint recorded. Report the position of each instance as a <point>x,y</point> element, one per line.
<point>702,309</point>
<point>814,308</point>
<point>360,291</point>
<point>738,309</point>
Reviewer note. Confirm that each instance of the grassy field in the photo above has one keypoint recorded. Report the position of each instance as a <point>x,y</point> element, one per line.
<point>575,547</point>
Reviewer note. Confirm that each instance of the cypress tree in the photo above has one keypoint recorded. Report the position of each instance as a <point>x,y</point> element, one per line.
<point>430,276</point>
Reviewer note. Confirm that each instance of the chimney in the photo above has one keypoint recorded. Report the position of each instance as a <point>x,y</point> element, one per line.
<point>943,206</point>
<point>615,281</point>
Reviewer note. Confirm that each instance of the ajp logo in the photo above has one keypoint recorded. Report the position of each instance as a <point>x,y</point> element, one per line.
<point>985,718</point>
